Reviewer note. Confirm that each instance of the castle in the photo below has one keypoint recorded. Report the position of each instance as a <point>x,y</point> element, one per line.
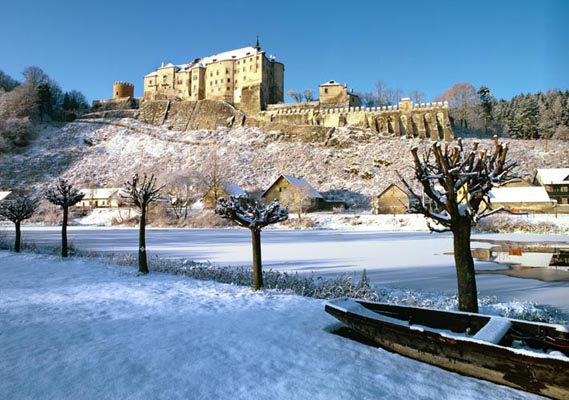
<point>253,84</point>
<point>245,78</point>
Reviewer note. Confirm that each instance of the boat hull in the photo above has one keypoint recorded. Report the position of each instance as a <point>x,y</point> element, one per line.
<point>538,374</point>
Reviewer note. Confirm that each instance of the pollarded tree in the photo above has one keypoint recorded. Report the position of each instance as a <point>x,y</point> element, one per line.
<point>65,196</point>
<point>141,194</point>
<point>457,182</point>
<point>254,217</point>
<point>18,210</point>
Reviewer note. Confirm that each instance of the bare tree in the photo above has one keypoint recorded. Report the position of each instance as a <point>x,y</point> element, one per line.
<point>214,171</point>
<point>254,217</point>
<point>141,194</point>
<point>417,96</point>
<point>18,210</point>
<point>295,95</point>
<point>308,95</point>
<point>297,199</point>
<point>457,182</point>
<point>381,94</point>
<point>181,194</point>
<point>64,195</point>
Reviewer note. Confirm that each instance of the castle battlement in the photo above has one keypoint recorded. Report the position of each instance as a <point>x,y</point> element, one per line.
<point>423,120</point>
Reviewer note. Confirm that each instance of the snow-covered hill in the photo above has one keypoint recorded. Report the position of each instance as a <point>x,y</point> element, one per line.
<point>350,165</point>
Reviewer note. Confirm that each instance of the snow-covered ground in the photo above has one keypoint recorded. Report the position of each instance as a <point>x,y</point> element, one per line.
<point>79,329</point>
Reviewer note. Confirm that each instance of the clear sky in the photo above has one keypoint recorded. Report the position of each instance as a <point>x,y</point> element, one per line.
<point>511,46</point>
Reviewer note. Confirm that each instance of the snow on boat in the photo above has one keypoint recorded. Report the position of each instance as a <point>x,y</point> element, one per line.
<point>524,355</point>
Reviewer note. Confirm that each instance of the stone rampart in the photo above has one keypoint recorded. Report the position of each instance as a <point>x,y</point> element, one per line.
<point>424,120</point>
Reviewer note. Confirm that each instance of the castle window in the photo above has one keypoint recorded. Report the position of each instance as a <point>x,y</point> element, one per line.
<point>326,90</point>
<point>217,72</point>
<point>228,88</point>
<point>250,68</point>
<point>244,78</point>
<point>226,70</point>
<point>228,80</point>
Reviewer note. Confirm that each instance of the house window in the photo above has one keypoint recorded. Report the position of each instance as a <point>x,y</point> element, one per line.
<point>326,90</point>
<point>228,80</point>
<point>244,78</point>
<point>228,88</point>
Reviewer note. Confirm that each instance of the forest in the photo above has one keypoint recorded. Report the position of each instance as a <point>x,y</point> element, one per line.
<point>38,98</point>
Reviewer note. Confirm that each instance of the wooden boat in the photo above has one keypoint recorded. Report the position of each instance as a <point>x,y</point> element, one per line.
<point>524,355</point>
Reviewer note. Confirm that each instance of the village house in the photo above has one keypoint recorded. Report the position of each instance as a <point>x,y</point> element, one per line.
<point>225,190</point>
<point>294,192</point>
<point>101,198</point>
<point>393,200</point>
<point>528,199</point>
<point>556,183</point>
<point>246,78</point>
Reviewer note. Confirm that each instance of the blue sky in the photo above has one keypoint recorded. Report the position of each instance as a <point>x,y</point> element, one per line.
<point>510,46</point>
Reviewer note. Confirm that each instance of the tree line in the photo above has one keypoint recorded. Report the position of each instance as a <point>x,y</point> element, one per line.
<point>37,98</point>
<point>526,116</point>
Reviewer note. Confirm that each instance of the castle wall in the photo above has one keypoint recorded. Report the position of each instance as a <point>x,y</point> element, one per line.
<point>425,120</point>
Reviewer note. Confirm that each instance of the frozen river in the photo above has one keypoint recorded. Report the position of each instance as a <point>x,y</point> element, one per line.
<point>414,260</point>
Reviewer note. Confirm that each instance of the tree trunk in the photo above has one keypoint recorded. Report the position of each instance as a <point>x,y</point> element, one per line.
<point>257,267</point>
<point>467,293</point>
<point>142,263</point>
<point>64,232</point>
<point>18,237</point>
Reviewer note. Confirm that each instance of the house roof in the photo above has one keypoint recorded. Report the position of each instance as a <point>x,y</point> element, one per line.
<point>233,189</point>
<point>331,83</point>
<point>202,62</point>
<point>391,186</point>
<point>3,195</point>
<point>102,193</point>
<point>531,194</point>
<point>300,184</point>
<point>552,176</point>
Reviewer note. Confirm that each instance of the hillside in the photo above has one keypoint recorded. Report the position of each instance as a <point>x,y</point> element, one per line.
<point>349,165</point>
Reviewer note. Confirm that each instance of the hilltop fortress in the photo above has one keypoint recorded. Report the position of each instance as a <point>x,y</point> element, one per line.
<point>245,87</point>
<point>245,78</point>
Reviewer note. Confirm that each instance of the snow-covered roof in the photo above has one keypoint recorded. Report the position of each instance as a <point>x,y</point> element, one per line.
<point>202,62</point>
<point>331,83</point>
<point>233,189</point>
<point>153,73</point>
<point>531,194</point>
<point>3,195</point>
<point>103,193</point>
<point>300,183</point>
<point>553,176</point>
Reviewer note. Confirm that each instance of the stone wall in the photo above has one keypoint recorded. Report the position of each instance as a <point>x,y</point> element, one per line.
<point>425,120</point>
<point>190,115</point>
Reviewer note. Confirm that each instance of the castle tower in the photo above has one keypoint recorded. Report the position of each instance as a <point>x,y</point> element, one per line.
<point>123,90</point>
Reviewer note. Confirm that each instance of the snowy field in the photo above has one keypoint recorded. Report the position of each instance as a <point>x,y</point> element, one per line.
<point>79,329</point>
<point>413,260</point>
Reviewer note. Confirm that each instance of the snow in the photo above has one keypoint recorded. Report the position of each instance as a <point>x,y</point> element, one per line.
<point>530,194</point>
<point>494,330</point>
<point>77,329</point>
<point>549,176</point>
